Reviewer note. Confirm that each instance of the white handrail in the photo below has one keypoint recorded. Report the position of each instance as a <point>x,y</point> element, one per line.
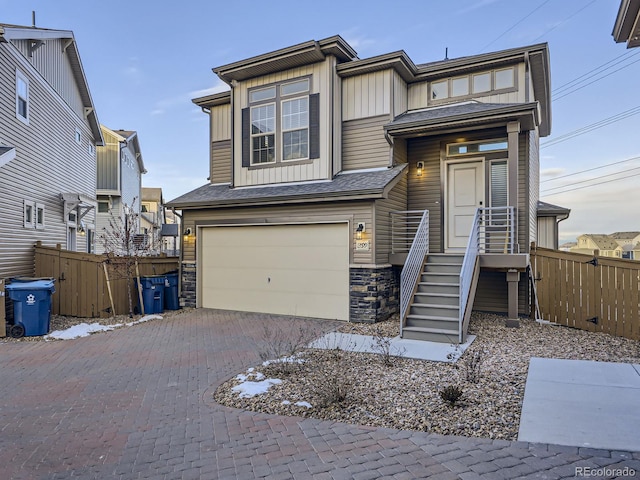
<point>413,266</point>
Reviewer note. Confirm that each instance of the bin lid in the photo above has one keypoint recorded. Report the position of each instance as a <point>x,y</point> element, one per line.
<point>32,285</point>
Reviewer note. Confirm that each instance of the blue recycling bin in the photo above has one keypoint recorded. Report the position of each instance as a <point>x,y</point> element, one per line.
<point>31,306</point>
<point>153,293</point>
<point>171,299</point>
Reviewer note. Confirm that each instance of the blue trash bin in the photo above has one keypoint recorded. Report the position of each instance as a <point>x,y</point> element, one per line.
<point>171,299</point>
<point>31,305</point>
<point>153,293</point>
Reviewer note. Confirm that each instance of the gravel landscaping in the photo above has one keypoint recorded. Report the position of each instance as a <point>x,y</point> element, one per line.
<point>382,391</point>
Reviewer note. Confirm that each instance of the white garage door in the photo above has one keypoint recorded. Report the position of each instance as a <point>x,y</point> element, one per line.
<point>284,269</point>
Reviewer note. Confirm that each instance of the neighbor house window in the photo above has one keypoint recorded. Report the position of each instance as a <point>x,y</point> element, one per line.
<point>78,136</point>
<point>29,214</point>
<point>103,207</point>
<point>22,97</point>
<point>281,124</point>
<point>504,79</point>
<point>460,86</point>
<point>482,82</point>
<point>439,90</point>
<point>39,215</point>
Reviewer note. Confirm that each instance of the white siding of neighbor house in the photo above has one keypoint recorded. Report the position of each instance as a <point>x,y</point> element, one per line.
<point>130,178</point>
<point>318,169</point>
<point>51,61</point>
<point>418,93</point>
<point>48,161</point>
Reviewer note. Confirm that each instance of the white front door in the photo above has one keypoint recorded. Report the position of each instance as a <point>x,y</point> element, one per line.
<point>464,193</point>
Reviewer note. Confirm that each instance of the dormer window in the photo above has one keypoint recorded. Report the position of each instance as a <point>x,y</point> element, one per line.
<point>281,124</point>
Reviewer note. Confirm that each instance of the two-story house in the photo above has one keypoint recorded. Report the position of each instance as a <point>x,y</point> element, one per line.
<point>606,245</point>
<point>48,137</point>
<point>119,181</point>
<point>627,24</point>
<point>350,188</point>
<point>152,217</point>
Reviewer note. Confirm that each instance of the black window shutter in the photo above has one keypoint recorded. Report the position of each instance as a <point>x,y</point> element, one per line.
<point>246,138</point>
<point>314,125</point>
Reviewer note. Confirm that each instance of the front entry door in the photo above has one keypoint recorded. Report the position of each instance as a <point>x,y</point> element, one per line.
<point>465,193</point>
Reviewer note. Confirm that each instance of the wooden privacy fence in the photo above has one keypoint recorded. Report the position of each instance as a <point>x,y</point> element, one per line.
<point>598,294</point>
<point>81,283</point>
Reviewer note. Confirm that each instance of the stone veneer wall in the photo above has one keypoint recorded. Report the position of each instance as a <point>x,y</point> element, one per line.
<point>374,293</point>
<point>188,294</point>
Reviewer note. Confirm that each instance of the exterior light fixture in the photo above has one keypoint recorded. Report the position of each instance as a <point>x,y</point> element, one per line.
<point>81,230</point>
<point>187,233</point>
<point>420,168</point>
<point>359,230</point>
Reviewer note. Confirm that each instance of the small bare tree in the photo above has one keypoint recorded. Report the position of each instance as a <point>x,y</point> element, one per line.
<point>124,246</point>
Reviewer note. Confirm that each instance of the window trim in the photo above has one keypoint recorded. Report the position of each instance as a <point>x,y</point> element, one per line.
<point>23,78</point>
<point>28,219</point>
<point>278,101</point>
<point>492,88</point>
<point>40,225</point>
<point>78,136</point>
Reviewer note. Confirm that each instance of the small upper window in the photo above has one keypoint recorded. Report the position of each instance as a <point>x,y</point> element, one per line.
<point>460,86</point>
<point>482,82</point>
<point>295,87</point>
<point>78,136</point>
<point>504,78</point>
<point>440,90</point>
<point>28,214</point>
<point>468,148</point>
<point>103,207</point>
<point>262,94</point>
<point>39,215</point>
<point>22,97</point>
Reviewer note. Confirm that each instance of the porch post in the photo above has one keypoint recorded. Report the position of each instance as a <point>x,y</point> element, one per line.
<point>513,130</point>
<point>513,277</point>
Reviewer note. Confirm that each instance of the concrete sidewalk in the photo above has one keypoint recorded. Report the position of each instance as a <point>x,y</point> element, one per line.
<point>582,404</point>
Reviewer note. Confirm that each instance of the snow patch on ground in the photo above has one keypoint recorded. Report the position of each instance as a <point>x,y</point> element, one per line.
<point>86,329</point>
<point>250,389</point>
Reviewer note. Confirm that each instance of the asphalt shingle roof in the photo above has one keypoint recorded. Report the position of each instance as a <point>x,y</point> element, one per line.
<point>343,184</point>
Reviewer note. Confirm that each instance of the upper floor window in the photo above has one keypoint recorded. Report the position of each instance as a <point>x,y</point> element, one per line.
<point>22,97</point>
<point>280,124</point>
<point>473,148</point>
<point>474,84</point>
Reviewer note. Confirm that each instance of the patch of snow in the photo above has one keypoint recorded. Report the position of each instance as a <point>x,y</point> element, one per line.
<point>86,329</point>
<point>286,402</point>
<point>251,389</point>
<point>303,404</point>
<point>292,359</point>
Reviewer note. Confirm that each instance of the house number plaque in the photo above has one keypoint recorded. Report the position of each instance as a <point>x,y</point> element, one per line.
<point>363,245</point>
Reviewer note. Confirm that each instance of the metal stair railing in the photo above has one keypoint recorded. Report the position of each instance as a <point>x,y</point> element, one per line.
<point>413,266</point>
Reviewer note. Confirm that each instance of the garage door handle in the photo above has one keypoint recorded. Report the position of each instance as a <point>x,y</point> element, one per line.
<point>268,279</point>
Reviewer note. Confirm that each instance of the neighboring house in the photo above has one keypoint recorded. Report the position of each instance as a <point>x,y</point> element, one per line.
<point>566,247</point>
<point>607,246</point>
<point>152,217</point>
<point>170,233</point>
<point>323,167</point>
<point>48,136</point>
<point>549,216</point>
<point>627,26</point>
<point>627,241</point>
<point>119,179</point>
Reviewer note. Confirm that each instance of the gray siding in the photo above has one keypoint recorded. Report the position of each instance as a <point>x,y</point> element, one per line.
<point>363,143</point>
<point>399,151</point>
<point>397,200</point>
<point>108,172</point>
<point>48,162</point>
<point>220,166</point>
<point>492,293</point>
<point>425,191</point>
<point>534,185</point>
<point>523,192</point>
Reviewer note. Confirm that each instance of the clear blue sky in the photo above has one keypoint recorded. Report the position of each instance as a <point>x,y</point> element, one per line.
<point>145,61</point>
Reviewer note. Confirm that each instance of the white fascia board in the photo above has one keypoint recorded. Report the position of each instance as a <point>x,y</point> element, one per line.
<point>25,33</point>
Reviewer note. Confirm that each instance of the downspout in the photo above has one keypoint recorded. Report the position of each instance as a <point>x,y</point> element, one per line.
<point>526,77</point>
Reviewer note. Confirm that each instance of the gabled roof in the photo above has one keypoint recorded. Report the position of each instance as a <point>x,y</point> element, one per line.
<point>346,185</point>
<point>624,235</point>
<point>603,242</point>
<point>462,115</point>
<point>627,26</point>
<point>127,136</point>
<point>152,194</point>
<point>16,32</point>
<point>549,210</point>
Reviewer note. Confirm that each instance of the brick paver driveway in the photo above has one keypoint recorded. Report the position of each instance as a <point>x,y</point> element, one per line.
<point>136,403</point>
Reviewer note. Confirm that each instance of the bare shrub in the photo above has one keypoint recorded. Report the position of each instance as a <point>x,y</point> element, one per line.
<point>333,383</point>
<point>280,348</point>
<point>472,365</point>
<point>382,346</point>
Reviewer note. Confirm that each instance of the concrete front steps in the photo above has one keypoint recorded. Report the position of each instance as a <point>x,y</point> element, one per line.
<point>434,314</point>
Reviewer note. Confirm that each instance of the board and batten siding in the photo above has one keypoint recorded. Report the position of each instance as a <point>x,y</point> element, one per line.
<point>363,143</point>
<point>326,212</point>
<point>424,192</point>
<point>400,100</point>
<point>108,164</point>
<point>48,162</point>
<point>366,95</point>
<point>321,74</point>
<point>534,184</point>
<point>396,201</point>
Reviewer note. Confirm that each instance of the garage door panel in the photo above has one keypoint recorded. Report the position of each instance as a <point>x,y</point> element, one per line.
<point>287,269</point>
